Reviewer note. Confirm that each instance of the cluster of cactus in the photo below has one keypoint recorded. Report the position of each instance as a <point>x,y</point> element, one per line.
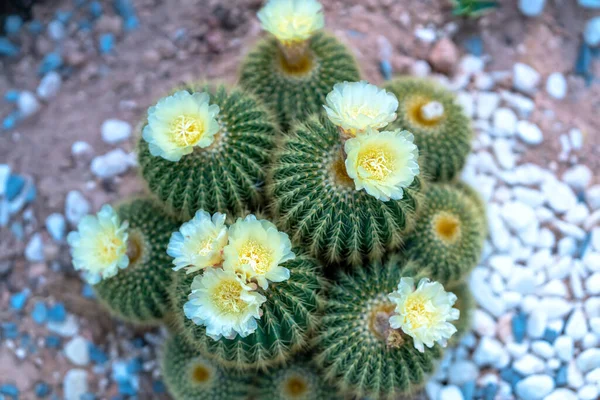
<point>325,312</point>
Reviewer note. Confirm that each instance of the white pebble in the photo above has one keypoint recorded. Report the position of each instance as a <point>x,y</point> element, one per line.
<point>576,138</point>
<point>578,214</point>
<point>561,394</point>
<point>578,177</point>
<point>49,85</point>
<point>28,104</point>
<point>67,328</point>
<point>525,78</point>
<point>556,85</point>
<point>524,105</point>
<point>560,196</point>
<point>567,246</point>
<point>529,365</point>
<point>542,349</point>
<point>56,30</point>
<point>591,33</point>
<point>576,325</point>
<point>487,103</point>
<point>592,196</point>
<point>592,307</point>
<point>529,132</point>
<point>504,154</point>
<point>462,372</point>
<point>522,280</point>
<point>534,387</point>
<point>536,324</point>
<point>483,323</point>
<point>504,122</point>
<point>574,376</point>
<point>592,284</point>
<point>420,68</point>
<point>34,252</point>
<point>588,392</point>
<point>111,164</point>
<point>76,207</point>
<point>75,384</point>
<point>589,340</point>
<point>489,352</point>
<point>77,351</point>
<point>531,8</point>
<point>56,226</point>
<point>517,215</point>
<point>82,149</point>
<point>450,392</point>
<point>115,131</point>
<point>588,360</point>
<point>555,307</point>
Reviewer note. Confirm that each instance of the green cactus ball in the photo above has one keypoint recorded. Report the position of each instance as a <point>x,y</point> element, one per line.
<point>448,238</point>
<point>442,130</point>
<point>188,375</point>
<point>295,91</point>
<point>290,314</point>
<point>228,175</point>
<point>139,293</point>
<point>315,200</point>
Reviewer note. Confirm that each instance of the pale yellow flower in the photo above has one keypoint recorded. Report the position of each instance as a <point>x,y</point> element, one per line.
<point>425,313</point>
<point>99,246</point>
<point>256,250</point>
<point>292,21</point>
<point>359,106</point>
<point>224,304</point>
<point>382,163</point>
<point>199,242</point>
<point>180,122</point>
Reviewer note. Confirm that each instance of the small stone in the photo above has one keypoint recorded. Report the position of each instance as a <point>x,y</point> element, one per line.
<point>483,323</point>
<point>525,78</point>
<point>56,226</point>
<point>66,328</point>
<point>592,284</point>
<point>574,376</point>
<point>588,360</point>
<point>462,372</point>
<point>522,280</point>
<point>450,392</point>
<point>49,85</point>
<point>76,207</point>
<point>555,307</point>
<point>576,138</point>
<point>536,324</point>
<point>592,197</point>
<point>504,122</point>
<point>543,349</point>
<point>556,85</point>
<point>444,56</point>
<point>56,30</point>
<point>34,252</point>
<point>529,132</point>
<point>75,384</point>
<point>588,392</point>
<point>111,164</point>
<point>503,152</point>
<point>420,68</point>
<point>578,177</point>
<point>560,196</point>
<point>593,376</point>
<point>531,8</point>
<point>590,340</point>
<point>77,351</point>
<point>517,215</point>
<point>529,365</point>
<point>591,33</point>
<point>28,104</point>
<point>487,103</point>
<point>489,352</point>
<point>82,150</point>
<point>534,387</point>
<point>115,131</point>
<point>18,300</point>
<point>561,394</point>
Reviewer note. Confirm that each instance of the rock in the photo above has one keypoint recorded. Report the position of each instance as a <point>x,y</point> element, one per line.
<point>82,150</point>
<point>483,323</point>
<point>420,68</point>
<point>525,78</point>
<point>67,328</point>
<point>590,340</point>
<point>594,4</point>
<point>111,164</point>
<point>450,392</point>
<point>543,349</point>
<point>529,132</point>
<point>577,215</point>
<point>529,365</point>
<point>576,139</point>
<point>444,56</point>
<point>531,8</point>
<point>592,284</point>
<point>576,327</point>
<point>534,387</point>
<point>524,105</point>
<point>555,307</point>
<point>489,352</point>
<point>467,102</point>
<point>487,300</point>
<point>561,394</point>
<point>504,122</point>
<point>499,233</point>
<point>49,85</point>
<point>34,252</point>
<point>588,392</point>
<point>28,104</point>
<point>578,177</point>
<point>503,152</point>
<point>75,384</point>
<point>462,372</point>
<point>536,324</point>
<point>56,225</point>
<point>592,307</point>
<point>593,376</point>
<point>426,35</point>
<point>556,85</point>
<point>567,246</point>
<point>77,351</point>
<point>76,207</point>
<point>517,215</point>
<point>487,103</point>
<point>4,177</point>
<point>591,33</point>
<point>522,280</point>
<point>56,30</point>
<point>588,360</point>
<point>115,131</point>
<point>592,196</point>
<point>574,376</point>
<point>560,196</point>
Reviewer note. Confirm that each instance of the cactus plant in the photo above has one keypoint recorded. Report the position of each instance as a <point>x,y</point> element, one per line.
<point>227,175</point>
<point>188,375</point>
<point>138,293</point>
<point>290,313</point>
<point>295,91</point>
<point>315,200</point>
<point>356,347</point>
<point>301,380</point>
<point>441,128</point>
<point>448,238</point>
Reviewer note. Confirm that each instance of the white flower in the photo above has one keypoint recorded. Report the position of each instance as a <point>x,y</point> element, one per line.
<point>423,314</point>
<point>180,122</point>
<point>223,303</point>
<point>359,106</point>
<point>382,163</point>
<point>99,246</point>
<point>292,21</point>
<point>256,250</point>
<point>199,242</point>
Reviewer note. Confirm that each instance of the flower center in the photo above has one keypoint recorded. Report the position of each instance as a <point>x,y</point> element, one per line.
<point>257,256</point>
<point>206,247</point>
<point>186,130</point>
<point>447,227</point>
<point>227,297</point>
<point>417,312</point>
<point>377,163</point>
<point>107,249</point>
<point>201,373</point>
<point>295,386</point>
<point>363,110</point>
